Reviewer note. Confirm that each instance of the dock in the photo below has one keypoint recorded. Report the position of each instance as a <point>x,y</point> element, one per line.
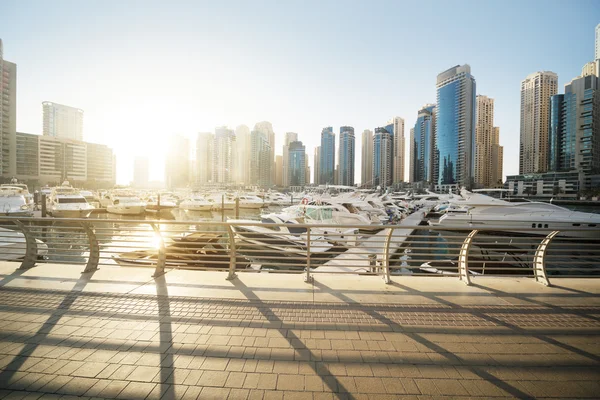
<point>356,259</point>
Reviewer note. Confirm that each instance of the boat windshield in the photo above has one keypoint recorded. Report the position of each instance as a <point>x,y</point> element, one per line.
<point>70,200</point>
<point>319,213</point>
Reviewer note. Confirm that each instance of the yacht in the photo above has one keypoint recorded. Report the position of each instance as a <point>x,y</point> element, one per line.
<point>24,189</point>
<point>124,202</point>
<point>333,213</point>
<point>251,202</point>
<point>196,203</point>
<point>166,203</point>
<point>91,197</point>
<point>13,202</point>
<point>222,202</point>
<point>66,202</point>
<point>13,246</point>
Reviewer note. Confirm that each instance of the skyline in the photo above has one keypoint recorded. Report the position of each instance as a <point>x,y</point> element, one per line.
<point>288,73</point>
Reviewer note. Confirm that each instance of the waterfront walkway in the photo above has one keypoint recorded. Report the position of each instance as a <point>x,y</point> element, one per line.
<point>118,333</point>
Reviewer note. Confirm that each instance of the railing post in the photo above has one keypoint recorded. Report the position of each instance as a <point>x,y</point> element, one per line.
<point>162,256</point>
<point>31,250</point>
<point>463,258</point>
<point>372,263</point>
<point>387,256</point>
<point>94,257</point>
<point>232,254</point>
<point>539,260</point>
<point>307,277</point>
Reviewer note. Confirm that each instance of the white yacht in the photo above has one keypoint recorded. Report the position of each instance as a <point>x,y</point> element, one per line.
<point>251,202</point>
<point>196,203</point>
<point>91,197</point>
<point>333,213</point>
<point>124,202</point>
<point>13,202</point>
<point>221,202</point>
<point>24,189</point>
<point>166,203</point>
<point>66,202</point>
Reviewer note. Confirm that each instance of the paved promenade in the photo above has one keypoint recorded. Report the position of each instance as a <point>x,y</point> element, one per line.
<point>118,333</point>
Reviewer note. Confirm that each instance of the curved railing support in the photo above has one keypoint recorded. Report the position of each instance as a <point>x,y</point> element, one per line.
<point>232,254</point>
<point>386,256</point>
<point>94,257</point>
<point>162,254</point>
<point>463,258</point>
<point>31,250</point>
<point>539,260</point>
<point>307,277</point>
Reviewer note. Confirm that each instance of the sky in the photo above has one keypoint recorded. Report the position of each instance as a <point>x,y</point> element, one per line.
<point>146,70</point>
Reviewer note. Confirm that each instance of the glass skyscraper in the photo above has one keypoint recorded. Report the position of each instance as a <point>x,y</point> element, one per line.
<point>423,159</point>
<point>327,156</point>
<point>455,125</point>
<point>260,159</point>
<point>346,156</point>
<point>383,156</point>
<point>296,163</point>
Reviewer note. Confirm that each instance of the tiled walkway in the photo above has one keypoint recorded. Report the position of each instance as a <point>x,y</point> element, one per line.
<point>500,338</point>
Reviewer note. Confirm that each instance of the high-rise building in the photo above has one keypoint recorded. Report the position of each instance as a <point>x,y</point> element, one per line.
<point>597,51</point>
<point>289,138</point>
<point>536,91</point>
<point>455,127</point>
<point>486,142</point>
<point>141,169</point>
<point>346,156</point>
<point>241,161</point>
<point>591,68</point>
<point>279,167</point>
<point>260,161</point>
<point>307,170</point>
<point>27,156</point>
<point>317,165</point>
<point>412,151</point>
<point>177,165</point>
<point>101,166</point>
<point>366,170</point>
<point>396,127</point>
<point>383,158</point>
<point>497,177</point>
<point>327,156</point>
<point>423,162</point>
<point>223,155</point>
<point>267,128</point>
<point>62,121</point>
<point>574,142</point>
<point>8,116</point>
<point>296,164</point>
<point>204,157</point>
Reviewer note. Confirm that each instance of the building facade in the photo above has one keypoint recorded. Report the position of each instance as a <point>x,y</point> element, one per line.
<point>327,156</point>
<point>62,121</point>
<point>241,162</point>
<point>383,158</point>
<point>288,138</point>
<point>396,127</point>
<point>366,170</point>
<point>317,167</point>
<point>423,160</point>
<point>260,159</point>
<point>101,166</point>
<point>455,127</point>
<point>536,91</point>
<point>204,158</point>
<point>177,165</point>
<point>27,156</point>
<point>267,128</point>
<point>346,156</point>
<point>486,145</point>
<point>223,155</point>
<point>8,117</point>
<point>296,164</point>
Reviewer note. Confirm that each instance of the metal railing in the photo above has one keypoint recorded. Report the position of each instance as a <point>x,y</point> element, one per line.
<point>305,249</point>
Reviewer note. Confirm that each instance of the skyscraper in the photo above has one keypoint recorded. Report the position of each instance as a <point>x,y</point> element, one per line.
<point>597,51</point>
<point>575,127</point>
<point>497,177</point>
<point>383,152</point>
<point>396,127</point>
<point>241,165</point>
<point>8,116</point>
<point>177,171</point>
<point>486,142</point>
<point>141,168</point>
<point>346,156</point>
<point>317,167</point>
<point>62,121</point>
<point>327,161</point>
<point>267,128</point>
<point>455,126</point>
<point>296,164</point>
<point>289,138</point>
<point>422,152</point>
<point>260,162</point>
<point>366,170</point>
<point>536,91</point>
<point>204,157</point>
<point>223,155</point>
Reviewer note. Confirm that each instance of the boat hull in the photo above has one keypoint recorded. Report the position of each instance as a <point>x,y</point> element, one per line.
<point>70,213</point>
<point>126,210</point>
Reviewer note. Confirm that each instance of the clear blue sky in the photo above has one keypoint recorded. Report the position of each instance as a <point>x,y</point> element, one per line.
<point>144,70</point>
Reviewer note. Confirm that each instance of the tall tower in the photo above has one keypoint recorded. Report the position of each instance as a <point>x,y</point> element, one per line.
<point>204,157</point>
<point>383,152</point>
<point>597,48</point>
<point>222,155</point>
<point>317,165</point>
<point>241,168</point>
<point>455,124</point>
<point>422,152</point>
<point>267,128</point>
<point>8,116</point>
<point>296,163</point>
<point>366,170</point>
<point>289,138</point>
<point>346,156</point>
<point>178,162</point>
<point>536,91</point>
<point>327,164</point>
<point>484,130</point>
<point>397,129</point>
<point>260,164</point>
<point>62,121</point>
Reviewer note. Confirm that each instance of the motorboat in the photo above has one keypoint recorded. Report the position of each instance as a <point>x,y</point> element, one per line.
<point>66,202</point>
<point>91,197</point>
<point>333,213</point>
<point>160,202</point>
<point>13,202</point>
<point>196,203</point>
<point>279,199</point>
<point>124,202</point>
<point>13,246</point>
<point>193,251</point>
<point>24,189</point>
<point>250,202</point>
<point>222,202</point>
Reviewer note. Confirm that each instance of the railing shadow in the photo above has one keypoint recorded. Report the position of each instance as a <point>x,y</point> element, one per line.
<point>323,372</point>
